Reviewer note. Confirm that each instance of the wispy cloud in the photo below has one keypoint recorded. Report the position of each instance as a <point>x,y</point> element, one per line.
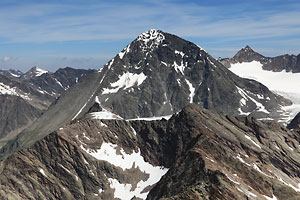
<point>6,58</point>
<point>110,21</point>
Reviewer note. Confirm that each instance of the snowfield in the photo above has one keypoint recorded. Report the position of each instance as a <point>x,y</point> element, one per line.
<point>284,83</point>
<point>108,152</point>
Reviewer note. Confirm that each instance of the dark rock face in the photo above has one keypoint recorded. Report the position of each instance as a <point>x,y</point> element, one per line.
<point>15,114</point>
<point>209,156</point>
<point>290,63</point>
<point>295,123</point>
<point>159,73</point>
<point>25,96</point>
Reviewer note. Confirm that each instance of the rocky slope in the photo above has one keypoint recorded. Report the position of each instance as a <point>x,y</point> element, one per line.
<point>15,115</point>
<point>24,96</point>
<point>203,155</point>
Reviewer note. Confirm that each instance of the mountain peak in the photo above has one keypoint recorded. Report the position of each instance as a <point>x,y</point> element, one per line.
<point>37,71</point>
<point>151,39</point>
<point>247,54</point>
<point>248,48</point>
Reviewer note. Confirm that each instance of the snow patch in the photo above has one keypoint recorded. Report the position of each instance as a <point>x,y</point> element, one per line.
<point>167,117</point>
<point>108,152</point>
<point>241,159</point>
<point>249,138</point>
<point>179,68</point>
<point>151,35</point>
<point>125,81</point>
<point>40,71</point>
<point>43,172</point>
<point>269,198</point>
<point>122,53</point>
<point>245,97</point>
<point>104,114</point>
<point>164,63</point>
<point>192,90</point>
<point>180,53</point>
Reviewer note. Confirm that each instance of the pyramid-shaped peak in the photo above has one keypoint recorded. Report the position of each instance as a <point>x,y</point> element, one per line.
<point>247,48</point>
<point>37,71</point>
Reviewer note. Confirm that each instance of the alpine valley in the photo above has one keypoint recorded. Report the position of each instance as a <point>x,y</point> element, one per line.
<point>161,120</point>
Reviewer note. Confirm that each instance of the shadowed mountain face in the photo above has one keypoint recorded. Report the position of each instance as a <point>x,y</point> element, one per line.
<point>156,75</point>
<point>159,73</point>
<point>201,154</point>
<point>24,96</point>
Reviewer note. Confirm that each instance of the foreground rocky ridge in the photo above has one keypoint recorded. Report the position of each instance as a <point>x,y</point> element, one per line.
<point>209,156</point>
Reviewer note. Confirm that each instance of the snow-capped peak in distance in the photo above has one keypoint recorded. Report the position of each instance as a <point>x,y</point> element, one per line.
<point>38,71</point>
<point>33,72</point>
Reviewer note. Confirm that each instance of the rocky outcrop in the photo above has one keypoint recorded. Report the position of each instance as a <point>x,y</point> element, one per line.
<point>233,158</point>
<point>209,156</point>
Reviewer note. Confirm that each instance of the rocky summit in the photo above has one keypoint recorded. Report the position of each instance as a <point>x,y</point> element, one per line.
<point>196,154</point>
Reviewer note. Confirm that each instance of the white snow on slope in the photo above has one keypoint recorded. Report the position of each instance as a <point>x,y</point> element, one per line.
<point>104,114</point>
<point>167,117</point>
<point>83,106</point>
<point>125,81</point>
<point>122,53</point>
<point>284,83</point>
<point>40,71</point>
<point>179,68</point>
<point>43,172</point>
<point>180,53</point>
<point>6,89</point>
<point>246,97</point>
<point>249,138</point>
<point>192,90</point>
<point>108,152</point>
<point>153,35</point>
<point>269,198</point>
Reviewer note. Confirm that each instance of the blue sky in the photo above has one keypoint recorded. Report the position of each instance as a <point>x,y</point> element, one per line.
<point>88,33</point>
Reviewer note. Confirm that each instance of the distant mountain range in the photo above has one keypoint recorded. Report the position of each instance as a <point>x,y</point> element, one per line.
<point>101,139</point>
<point>289,63</point>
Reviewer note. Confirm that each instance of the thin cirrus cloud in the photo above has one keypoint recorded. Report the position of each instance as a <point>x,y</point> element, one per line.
<point>62,22</point>
<point>215,25</point>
